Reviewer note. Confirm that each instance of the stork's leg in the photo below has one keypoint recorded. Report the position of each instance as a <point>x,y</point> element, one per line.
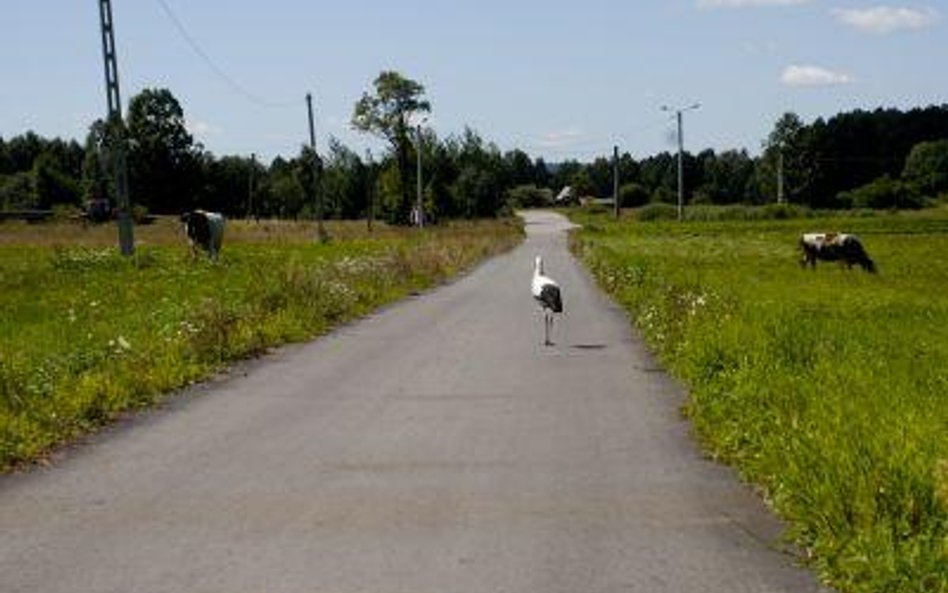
<point>547,324</point>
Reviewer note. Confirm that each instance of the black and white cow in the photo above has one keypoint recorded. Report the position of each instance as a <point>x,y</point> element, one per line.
<point>841,247</point>
<point>205,230</point>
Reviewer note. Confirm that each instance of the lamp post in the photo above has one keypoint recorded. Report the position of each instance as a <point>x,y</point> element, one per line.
<point>681,170</point>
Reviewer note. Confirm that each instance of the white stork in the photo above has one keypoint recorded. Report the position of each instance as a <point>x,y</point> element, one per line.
<point>547,292</point>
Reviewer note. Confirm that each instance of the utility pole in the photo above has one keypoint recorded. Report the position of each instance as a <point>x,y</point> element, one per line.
<point>253,168</point>
<point>681,157</point>
<point>418,202</point>
<point>681,170</point>
<point>117,128</point>
<point>615,179</point>
<point>319,198</point>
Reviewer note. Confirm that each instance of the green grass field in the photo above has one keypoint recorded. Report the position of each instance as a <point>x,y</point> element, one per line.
<point>827,388</point>
<point>86,334</point>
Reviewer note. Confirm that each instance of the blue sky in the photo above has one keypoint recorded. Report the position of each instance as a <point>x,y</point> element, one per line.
<point>557,79</point>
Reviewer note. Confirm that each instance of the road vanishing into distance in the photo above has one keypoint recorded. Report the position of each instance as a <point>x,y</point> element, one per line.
<point>434,447</point>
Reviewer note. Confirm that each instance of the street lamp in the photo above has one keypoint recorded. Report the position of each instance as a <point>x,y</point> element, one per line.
<point>681,170</point>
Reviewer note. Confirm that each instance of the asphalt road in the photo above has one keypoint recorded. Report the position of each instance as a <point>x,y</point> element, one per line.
<point>435,447</point>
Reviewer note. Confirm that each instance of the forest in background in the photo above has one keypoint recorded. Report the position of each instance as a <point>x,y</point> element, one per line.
<point>886,158</point>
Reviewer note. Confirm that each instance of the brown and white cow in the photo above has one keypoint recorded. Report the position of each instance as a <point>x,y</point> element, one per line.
<point>841,247</point>
<point>205,230</point>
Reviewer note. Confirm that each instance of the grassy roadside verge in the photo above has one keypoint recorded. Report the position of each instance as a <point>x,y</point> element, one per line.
<point>826,388</point>
<point>86,334</point>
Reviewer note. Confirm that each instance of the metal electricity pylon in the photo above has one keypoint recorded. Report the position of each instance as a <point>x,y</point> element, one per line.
<point>116,130</point>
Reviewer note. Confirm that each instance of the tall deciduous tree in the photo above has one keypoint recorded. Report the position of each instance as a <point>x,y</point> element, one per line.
<point>387,113</point>
<point>54,185</point>
<point>541,173</point>
<point>226,183</point>
<point>519,168</point>
<point>21,151</point>
<point>479,187</point>
<point>285,189</point>
<point>344,182</point>
<point>163,158</point>
<point>96,166</point>
<point>728,177</point>
<point>787,147</point>
<point>926,167</point>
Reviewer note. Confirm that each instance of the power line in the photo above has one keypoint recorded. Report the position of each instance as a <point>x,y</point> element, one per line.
<point>183,32</point>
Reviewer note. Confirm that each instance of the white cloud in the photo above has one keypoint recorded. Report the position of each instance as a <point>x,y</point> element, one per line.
<point>812,76</point>
<point>745,3</point>
<point>885,19</point>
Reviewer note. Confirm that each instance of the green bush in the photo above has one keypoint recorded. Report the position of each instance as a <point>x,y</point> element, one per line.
<point>883,193</point>
<point>633,195</point>
<point>17,191</point>
<point>657,211</point>
<point>663,195</point>
<point>733,212</point>
<point>529,196</point>
<point>708,212</point>
<point>926,167</point>
<point>784,211</point>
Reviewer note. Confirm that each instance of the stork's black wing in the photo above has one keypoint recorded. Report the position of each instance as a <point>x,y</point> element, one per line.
<point>550,297</point>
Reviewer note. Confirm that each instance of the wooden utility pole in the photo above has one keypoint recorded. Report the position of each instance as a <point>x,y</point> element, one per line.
<point>681,157</point>
<point>116,130</point>
<point>615,180</point>
<point>253,169</point>
<point>319,198</point>
<point>681,170</point>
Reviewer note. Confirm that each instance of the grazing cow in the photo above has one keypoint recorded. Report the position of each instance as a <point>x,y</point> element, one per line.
<point>840,247</point>
<point>205,230</point>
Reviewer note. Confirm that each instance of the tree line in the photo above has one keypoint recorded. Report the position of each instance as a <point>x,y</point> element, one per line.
<point>879,159</point>
<point>885,158</point>
<point>169,172</point>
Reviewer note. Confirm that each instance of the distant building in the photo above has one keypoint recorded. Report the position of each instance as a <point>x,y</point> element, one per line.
<point>566,196</point>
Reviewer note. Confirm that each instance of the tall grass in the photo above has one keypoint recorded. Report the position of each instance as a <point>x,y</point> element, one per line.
<point>827,388</point>
<point>86,334</point>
